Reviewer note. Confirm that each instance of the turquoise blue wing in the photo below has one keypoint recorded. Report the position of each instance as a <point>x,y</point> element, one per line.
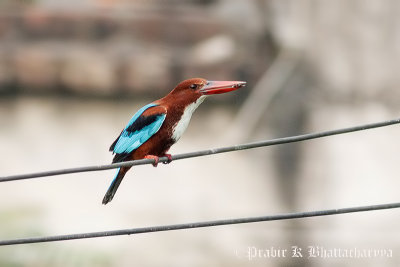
<point>138,130</point>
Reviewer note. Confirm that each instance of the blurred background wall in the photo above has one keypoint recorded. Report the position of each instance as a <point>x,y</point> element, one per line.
<point>73,72</point>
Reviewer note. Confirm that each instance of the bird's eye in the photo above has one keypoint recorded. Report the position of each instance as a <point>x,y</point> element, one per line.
<point>193,86</point>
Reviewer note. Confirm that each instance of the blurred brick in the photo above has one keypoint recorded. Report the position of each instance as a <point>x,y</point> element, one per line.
<point>35,67</point>
<point>88,70</point>
<point>214,50</point>
<point>5,71</point>
<point>148,69</point>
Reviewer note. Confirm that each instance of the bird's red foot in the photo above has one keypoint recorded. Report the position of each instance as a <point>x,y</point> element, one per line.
<point>156,159</point>
<point>169,156</point>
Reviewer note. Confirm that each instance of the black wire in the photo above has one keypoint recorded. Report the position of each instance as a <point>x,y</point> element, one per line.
<point>278,141</point>
<point>197,224</point>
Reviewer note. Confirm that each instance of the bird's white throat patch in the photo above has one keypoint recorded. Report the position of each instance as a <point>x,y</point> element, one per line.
<point>183,123</point>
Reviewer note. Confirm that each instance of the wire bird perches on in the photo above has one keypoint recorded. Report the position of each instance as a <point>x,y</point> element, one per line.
<point>172,227</point>
<point>278,141</point>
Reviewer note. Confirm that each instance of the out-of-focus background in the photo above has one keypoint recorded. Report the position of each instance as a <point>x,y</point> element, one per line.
<point>72,73</point>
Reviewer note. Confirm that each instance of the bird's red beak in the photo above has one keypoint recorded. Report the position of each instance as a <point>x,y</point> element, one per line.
<point>220,87</point>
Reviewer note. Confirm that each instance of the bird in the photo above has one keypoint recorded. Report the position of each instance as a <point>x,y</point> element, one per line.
<point>154,128</point>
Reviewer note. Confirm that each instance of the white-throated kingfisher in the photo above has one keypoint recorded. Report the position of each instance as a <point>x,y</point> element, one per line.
<point>157,126</point>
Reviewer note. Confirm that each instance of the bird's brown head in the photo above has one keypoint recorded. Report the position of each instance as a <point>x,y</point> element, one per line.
<point>197,87</point>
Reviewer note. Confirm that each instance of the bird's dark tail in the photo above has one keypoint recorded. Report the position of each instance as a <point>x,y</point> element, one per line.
<point>114,185</point>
